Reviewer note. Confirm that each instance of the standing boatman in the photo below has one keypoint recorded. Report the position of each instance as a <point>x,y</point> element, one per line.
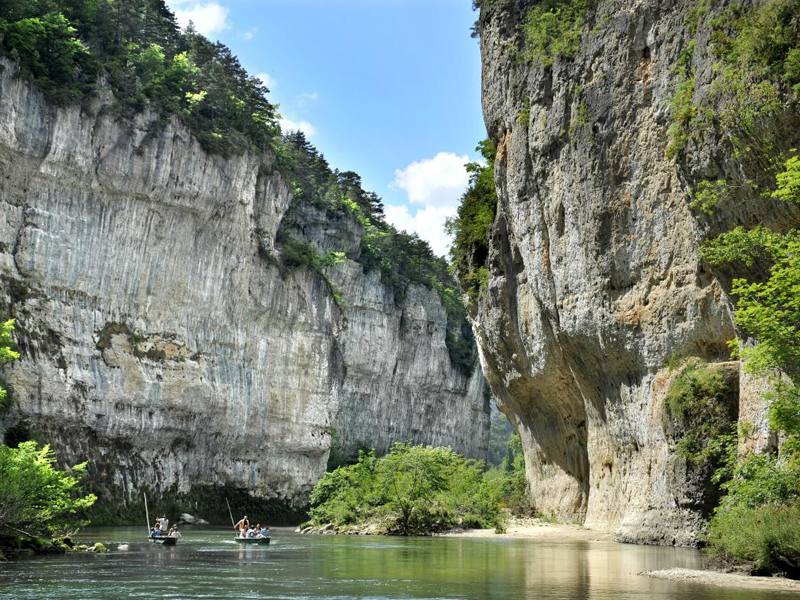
<point>242,526</point>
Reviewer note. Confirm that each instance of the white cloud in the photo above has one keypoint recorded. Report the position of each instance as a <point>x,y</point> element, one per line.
<point>427,222</point>
<point>266,79</point>
<point>437,181</point>
<point>304,126</point>
<point>208,17</point>
<point>437,184</point>
<point>249,34</point>
<point>309,97</point>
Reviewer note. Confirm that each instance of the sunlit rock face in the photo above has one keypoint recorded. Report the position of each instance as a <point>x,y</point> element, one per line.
<point>596,280</point>
<point>163,341</point>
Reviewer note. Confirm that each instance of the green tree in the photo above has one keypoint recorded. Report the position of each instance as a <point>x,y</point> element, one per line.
<point>46,48</point>
<point>472,226</point>
<point>6,353</point>
<point>411,490</point>
<point>35,497</point>
<point>500,430</point>
<point>412,476</point>
<point>768,308</point>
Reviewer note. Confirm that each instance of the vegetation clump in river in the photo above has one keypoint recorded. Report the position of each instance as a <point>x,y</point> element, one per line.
<point>417,490</point>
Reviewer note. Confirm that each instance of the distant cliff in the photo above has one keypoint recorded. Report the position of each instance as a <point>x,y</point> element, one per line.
<point>165,339</point>
<point>610,136</point>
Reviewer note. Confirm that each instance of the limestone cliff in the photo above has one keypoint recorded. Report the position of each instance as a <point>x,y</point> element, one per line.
<point>595,275</point>
<point>163,342</point>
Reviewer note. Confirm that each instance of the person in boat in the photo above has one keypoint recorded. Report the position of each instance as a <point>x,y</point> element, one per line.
<point>164,525</point>
<point>156,530</point>
<point>242,526</point>
<point>258,531</point>
<point>251,533</point>
<point>174,533</point>
<point>265,531</point>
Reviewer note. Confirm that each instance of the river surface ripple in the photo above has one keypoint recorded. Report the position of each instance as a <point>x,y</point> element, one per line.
<point>207,564</point>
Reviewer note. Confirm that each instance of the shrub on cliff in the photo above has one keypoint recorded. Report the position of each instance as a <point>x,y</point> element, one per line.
<point>472,225</point>
<point>554,28</point>
<point>701,405</point>
<point>36,498</point>
<point>6,354</point>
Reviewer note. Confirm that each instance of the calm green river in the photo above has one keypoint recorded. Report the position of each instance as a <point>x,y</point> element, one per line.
<point>207,564</point>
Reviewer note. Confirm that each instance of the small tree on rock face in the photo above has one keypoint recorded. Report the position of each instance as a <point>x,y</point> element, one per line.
<point>35,497</point>
<point>6,353</point>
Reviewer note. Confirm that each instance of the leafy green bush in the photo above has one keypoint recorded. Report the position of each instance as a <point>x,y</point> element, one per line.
<point>684,113</point>
<point>760,479</point>
<point>35,497</point>
<point>701,403</point>
<point>411,490</point>
<point>509,481</point>
<point>6,354</point>
<point>767,537</point>
<point>553,28</point>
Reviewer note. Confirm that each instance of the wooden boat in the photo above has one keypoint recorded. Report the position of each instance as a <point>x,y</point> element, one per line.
<point>256,541</point>
<point>165,540</point>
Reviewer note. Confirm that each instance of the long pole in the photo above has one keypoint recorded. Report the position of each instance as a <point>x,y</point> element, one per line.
<point>230,513</point>
<point>146,513</point>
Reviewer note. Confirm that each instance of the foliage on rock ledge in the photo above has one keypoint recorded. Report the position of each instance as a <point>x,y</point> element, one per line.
<point>702,403</point>
<point>472,226</point>
<point>554,28</point>
<point>7,353</point>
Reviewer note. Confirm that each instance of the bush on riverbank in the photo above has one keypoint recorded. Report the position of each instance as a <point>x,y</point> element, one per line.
<point>36,499</point>
<point>411,490</point>
<point>767,537</point>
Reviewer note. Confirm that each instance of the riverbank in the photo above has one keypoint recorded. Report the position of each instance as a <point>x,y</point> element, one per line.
<point>14,546</point>
<point>531,528</point>
<point>728,580</point>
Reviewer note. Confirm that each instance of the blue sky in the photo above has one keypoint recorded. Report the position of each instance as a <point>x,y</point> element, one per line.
<point>387,88</point>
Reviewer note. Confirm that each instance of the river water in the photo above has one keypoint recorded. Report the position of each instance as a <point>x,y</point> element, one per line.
<point>207,564</point>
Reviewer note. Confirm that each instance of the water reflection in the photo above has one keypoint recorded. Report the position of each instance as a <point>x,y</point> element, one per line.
<point>207,564</point>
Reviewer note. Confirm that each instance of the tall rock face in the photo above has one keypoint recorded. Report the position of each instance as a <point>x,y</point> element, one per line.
<point>596,279</point>
<point>162,341</point>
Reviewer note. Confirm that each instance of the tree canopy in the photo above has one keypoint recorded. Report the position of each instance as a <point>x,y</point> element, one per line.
<point>68,46</point>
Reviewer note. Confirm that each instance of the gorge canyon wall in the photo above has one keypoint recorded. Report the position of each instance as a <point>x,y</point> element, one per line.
<point>163,342</point>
